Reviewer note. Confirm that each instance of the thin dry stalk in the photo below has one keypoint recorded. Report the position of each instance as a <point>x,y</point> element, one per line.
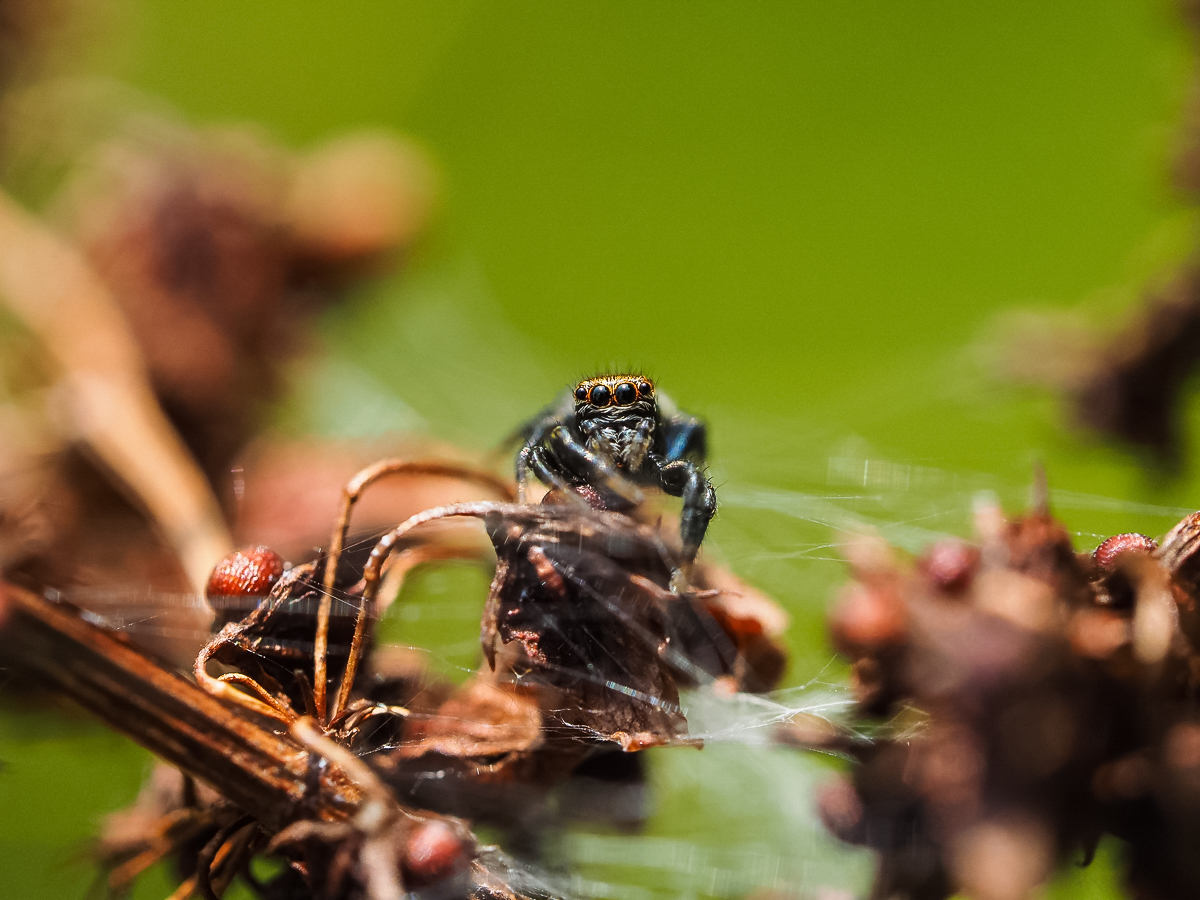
<point>350,496</point>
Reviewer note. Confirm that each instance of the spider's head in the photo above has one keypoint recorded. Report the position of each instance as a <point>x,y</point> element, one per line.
<point>615,396</point>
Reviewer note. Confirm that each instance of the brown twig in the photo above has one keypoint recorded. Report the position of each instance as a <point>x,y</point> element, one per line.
<point>263,773</point>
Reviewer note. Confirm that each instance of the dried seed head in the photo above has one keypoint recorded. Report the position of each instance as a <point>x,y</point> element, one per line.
<point>1106,554</point>
<point>1181,747</point>
<point>868,555</point>
<point>1040,547</point>
<point>244,573</point>
<point>867,681</point>
<point>1098,633</point>
<point>1002,858</point>
<point>1126,778</point>
<point>1155,616</point>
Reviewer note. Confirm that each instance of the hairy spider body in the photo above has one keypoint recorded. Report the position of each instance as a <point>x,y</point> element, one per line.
<point>610,437</point>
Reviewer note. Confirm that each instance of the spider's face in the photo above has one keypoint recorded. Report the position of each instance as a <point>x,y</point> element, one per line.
<point>615,397</point>
<point>611,409</point>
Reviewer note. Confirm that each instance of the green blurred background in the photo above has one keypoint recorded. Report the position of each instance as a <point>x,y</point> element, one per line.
<point>802,218</point>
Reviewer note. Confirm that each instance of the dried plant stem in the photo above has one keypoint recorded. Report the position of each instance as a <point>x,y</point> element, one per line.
<point>402,564</point>
<point>109,403</point>
<point>350,496</point>
<point>269,776</point>
<point>373,571</point>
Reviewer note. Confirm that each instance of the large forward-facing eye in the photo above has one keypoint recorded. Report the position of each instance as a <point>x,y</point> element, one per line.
<point>625,393</point>
<point>581,393</point>
<point>601,396</point>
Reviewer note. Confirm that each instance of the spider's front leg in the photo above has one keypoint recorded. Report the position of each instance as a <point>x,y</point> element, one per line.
<point>535,437</point>
<point>524,464</point>
<point>535,459</point>
<point>593,469</point>
<point>532,434</point>
<point>532,457</point>
<point>684,479</point>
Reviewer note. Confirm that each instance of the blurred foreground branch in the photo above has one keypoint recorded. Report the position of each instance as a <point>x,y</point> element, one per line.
<point>107,401</point>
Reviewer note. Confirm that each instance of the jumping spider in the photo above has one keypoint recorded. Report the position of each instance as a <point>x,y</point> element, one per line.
<point>610,436</point>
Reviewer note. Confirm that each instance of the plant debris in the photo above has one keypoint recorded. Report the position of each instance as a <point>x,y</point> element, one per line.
<point>1026,700</point>
<point>156,337</point>
<point>304,741</point>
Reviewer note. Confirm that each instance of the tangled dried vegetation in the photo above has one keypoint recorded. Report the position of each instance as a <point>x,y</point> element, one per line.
<point>1025,701</point>
<point>357,775</point>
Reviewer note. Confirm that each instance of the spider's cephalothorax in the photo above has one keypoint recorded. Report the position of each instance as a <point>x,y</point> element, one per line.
<point>610,436</point>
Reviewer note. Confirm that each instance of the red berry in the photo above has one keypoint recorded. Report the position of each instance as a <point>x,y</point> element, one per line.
<point>950,565</point>
<point>245,573</point>
<point>840,808</point>
<point>1106,554</point>
<point>434,851</point>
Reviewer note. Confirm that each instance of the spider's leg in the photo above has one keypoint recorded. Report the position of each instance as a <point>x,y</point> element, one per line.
<point>684,436</point>
<point>546,473</point>
<point>523,463</point>
<point>535,435</point>
<point>593,468</point>
<point>683,478</point>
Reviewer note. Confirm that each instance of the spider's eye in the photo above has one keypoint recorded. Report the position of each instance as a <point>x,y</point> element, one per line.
<point>625,393</point>
<point>645,389</point>
<point>601,395</point>
<point>581,394</point>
